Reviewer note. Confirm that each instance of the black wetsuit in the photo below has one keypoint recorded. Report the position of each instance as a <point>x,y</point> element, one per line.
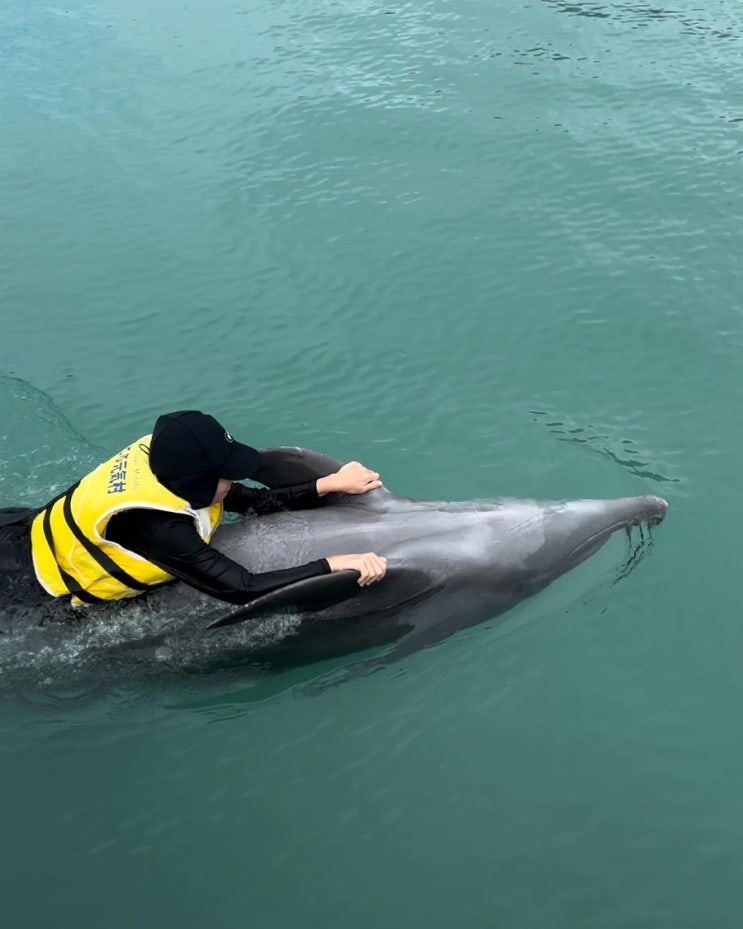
<point>170,541</point>
<point>18,584</point>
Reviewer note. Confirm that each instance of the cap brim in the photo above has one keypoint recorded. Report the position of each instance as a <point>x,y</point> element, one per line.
<point>242,463</point>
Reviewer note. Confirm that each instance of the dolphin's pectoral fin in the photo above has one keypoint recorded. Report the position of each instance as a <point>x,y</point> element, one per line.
<point>285,466</point>
<point>312,594</point>
<point>409,643</point>
<point>418,635</point>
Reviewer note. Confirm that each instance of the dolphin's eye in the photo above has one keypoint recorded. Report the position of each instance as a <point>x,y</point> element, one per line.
<point>521,589</point>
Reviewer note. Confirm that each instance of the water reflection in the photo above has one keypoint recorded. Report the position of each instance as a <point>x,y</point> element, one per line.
<point>698,21</point>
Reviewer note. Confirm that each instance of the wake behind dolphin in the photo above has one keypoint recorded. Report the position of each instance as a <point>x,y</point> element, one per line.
<point>450,567</point>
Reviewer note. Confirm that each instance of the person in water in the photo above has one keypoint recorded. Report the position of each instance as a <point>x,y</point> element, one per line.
<point>147,516</point>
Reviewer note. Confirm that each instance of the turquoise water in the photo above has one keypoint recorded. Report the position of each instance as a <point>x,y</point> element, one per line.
<point>488,249</point>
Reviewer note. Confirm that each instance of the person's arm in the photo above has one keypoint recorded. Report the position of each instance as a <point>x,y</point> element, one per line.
<point>265,500</point>
<point>352,478</point>
<point>172,543</point>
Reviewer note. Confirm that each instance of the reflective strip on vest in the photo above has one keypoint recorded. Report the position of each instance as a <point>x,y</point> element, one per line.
<point>71,554</point>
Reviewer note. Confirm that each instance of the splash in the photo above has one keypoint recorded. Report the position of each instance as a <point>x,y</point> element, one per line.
<point>58,647</point>
<point>41,451</point>
<point>639,545</point>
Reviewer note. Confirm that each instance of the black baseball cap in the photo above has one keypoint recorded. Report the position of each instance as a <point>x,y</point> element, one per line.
<point>190,451</point>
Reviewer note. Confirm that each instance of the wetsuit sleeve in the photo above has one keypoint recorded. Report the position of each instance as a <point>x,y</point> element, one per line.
<point>264,500</point>
<point>172,543</point>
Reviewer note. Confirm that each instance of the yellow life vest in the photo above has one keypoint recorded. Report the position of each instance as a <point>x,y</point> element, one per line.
<point>71,553</point>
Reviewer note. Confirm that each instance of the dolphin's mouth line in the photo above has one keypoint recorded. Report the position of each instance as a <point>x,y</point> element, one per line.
<point>610,530</point>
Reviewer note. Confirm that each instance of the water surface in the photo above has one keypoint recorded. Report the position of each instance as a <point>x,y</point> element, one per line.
<point>487,248</point>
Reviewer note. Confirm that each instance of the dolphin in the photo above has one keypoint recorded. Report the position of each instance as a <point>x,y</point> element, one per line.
<point>450,567</point>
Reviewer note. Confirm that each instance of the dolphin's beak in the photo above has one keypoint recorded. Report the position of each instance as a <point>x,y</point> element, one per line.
<point>644,510</point>
<point>581,527</point>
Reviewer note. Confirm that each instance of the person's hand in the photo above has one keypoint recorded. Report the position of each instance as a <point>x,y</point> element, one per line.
<point>352,478</point>
<point>371,567</point>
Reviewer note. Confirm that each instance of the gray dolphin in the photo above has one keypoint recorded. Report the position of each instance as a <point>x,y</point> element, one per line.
<point>450,565</point>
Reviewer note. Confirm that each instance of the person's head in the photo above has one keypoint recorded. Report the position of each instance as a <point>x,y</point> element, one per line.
<point>197,459</point>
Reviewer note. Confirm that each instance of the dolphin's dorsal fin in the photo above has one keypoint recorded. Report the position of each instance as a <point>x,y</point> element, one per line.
<point>286,465</point>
